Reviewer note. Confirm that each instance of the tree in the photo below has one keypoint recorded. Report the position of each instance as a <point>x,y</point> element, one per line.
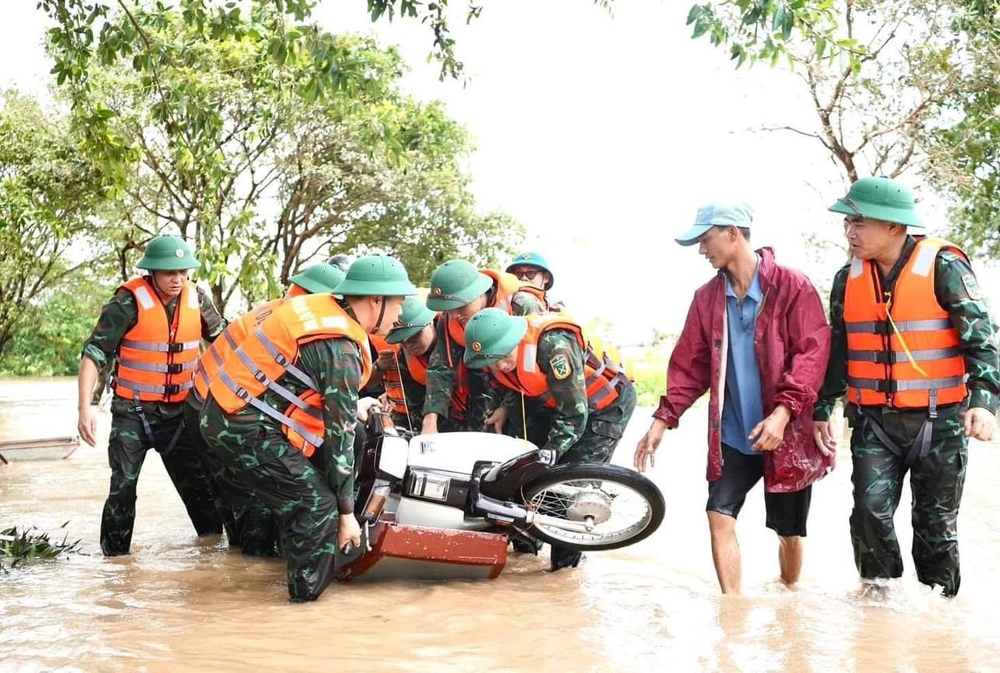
<point>889,106</point>
<point>247,157</point>
<point>47,202</point>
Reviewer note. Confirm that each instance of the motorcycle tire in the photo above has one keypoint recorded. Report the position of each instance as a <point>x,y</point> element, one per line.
<point>616,474</point>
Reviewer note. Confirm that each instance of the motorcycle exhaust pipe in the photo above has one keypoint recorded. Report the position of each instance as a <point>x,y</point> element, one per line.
<point>499,510</point>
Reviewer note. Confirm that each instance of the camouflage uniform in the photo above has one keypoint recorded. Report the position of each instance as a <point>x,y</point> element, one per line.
<point>128,442</point>
<point>249,524</point>
<point>935,480</point>
<point>575,433</point>
<point>306,496</point>
<point>441,376</point>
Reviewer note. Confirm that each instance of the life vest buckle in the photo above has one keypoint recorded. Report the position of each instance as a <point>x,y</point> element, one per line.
<point>171,389</point>
<point>175,368</point>
<point>175,347</point>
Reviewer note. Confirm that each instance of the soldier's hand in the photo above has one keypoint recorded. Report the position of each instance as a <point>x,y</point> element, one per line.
<point>348,530</point>
<point>385,360</point>
<point>365,405</point>
<point>770,431</point>
<point>648,444</point>
<point>823,436</point>
<point>980,424</point>
<point>87,425</point>
<point>496,420</point>
<point>430,424</point>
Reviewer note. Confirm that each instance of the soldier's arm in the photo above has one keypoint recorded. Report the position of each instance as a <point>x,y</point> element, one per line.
<point>212,322</point>
<point>525,303</point>
<point>958,293</point>
<point>835,381</point>
<point>335,365</point>
<point>561,359</point>
<point>118,316</point>
<point>440,377</point>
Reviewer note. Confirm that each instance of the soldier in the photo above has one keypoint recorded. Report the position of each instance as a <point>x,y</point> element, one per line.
<point>406,380</point>
<point>546,358</point>
<point>287,394</point>
<point>459,290</point>
<point>322,277</point>
<point>757,339</point>
<point>914,351</point>
<point>152,329</point>
<point>249,523</point>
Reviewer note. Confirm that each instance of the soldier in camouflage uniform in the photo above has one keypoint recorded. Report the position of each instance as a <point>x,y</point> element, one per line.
<point>137,426</point>
<point>249,523</point>
<point>902,420</point>
<point>546,358</point>
<point>416,335</point>
<point>459,291</point>
<point>313,497</point>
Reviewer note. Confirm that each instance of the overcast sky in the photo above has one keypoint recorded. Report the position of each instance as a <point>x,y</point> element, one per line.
<point>602,135</point>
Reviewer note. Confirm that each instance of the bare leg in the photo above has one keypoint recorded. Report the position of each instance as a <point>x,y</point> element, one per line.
<point>725,551</point>
<point>790,558</point>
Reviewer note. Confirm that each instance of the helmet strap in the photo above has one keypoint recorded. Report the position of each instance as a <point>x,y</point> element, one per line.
<point>381,315</point>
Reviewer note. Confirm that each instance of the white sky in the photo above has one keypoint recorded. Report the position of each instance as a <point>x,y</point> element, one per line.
<point>601,135</point>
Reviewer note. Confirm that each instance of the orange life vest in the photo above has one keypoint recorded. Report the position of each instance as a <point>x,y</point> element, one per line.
<point>234,334</point>
<point>268,352</point>
<point>601,375</point>
<point>507,285</point>
<point>295,291</point>
<point>155,359</point>
<point>885,332</point>
<point>417,368</point>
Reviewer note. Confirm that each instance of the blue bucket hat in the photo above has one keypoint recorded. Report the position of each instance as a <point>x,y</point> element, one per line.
<point>717,213</point>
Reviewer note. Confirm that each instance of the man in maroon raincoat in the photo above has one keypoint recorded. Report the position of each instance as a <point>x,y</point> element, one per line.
<point>756,337</point>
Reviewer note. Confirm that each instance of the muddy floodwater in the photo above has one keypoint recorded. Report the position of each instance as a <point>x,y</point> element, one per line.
<point>180,603</point>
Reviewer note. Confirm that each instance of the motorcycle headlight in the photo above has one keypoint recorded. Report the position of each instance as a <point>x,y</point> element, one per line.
<point>429,485</point>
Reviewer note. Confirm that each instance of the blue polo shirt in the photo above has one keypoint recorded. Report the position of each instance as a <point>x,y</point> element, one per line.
<point>742,407</point>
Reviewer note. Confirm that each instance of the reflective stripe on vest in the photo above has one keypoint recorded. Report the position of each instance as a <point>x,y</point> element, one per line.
<point>239,373</point>
<point>155,360</point>
<point>902,350</point>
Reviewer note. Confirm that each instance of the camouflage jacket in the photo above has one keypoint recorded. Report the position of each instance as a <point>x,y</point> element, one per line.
<point>442,370</point>
<point>335,365</point>
<point>969,315</point>
<point>570,415</point>
<point>415,393</point>
<point>120,315</point>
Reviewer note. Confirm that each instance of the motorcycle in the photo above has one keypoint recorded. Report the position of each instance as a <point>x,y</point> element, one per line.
<point>445,506</point>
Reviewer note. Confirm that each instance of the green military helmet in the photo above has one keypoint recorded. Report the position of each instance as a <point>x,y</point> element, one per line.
<point>492,334</point>
<point>536,260</point>
<point>414,317</point>
<point>319,278</point>
<point>880,198</point>
<point>376,276</point>
<point>167,253</point>
<point>456,283</point>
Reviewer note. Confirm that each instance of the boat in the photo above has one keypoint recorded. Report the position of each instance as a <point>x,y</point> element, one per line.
<point>53,448</point>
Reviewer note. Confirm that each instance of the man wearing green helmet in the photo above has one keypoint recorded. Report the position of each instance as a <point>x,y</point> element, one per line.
<point>317,278</point>
<point>151,331</point>
<point>406,379</point>
<point>459,290</point>
<point>914,351</point>
<point>588,400</point>
<point>249,524</point>
<point>281,407</point>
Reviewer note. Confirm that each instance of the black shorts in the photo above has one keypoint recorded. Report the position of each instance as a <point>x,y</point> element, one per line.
<point>786,512</point>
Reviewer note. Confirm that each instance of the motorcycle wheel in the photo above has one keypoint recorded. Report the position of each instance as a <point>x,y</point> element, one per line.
<point>580,505</point>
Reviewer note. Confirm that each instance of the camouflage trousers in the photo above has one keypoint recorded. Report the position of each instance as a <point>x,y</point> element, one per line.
<point>597,445</point>
<point>250,525</point>
<point>936,482</point>
<point>292,488</point>
<point>127,447</point>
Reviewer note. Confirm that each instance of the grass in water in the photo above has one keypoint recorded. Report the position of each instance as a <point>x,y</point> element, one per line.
<point>26,546</point>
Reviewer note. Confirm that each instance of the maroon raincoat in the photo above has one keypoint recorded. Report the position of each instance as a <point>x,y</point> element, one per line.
<point>792,341</point>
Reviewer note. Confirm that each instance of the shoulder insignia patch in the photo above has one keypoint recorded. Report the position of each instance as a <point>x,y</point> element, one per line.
<point>561,368</point>
<point>971,286</point>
